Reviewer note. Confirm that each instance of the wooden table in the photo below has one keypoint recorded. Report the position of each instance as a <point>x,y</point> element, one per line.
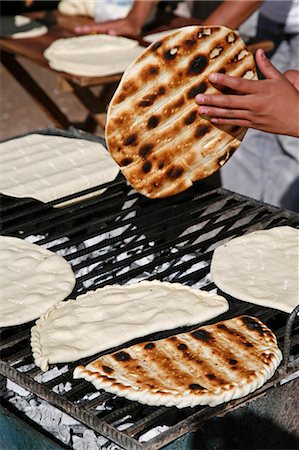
<point>32,49</point>
<point>61,26</point>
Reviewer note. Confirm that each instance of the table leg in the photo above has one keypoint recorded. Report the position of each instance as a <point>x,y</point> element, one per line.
<point>96,105</point>
<point>29,84</point>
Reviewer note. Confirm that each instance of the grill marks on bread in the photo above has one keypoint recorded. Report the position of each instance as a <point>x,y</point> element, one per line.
<point>154,106</point>
<point>209,365</point>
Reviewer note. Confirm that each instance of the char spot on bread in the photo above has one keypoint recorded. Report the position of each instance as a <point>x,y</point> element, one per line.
<point>201,130</point>
<point>131,139</point>
<point>189,42</point>
<point>126,162</point>
<point>211,376</point>
<point>182,347</point>
<point>197,65</point>
<point>146,168</point>
<point>171,53</point>
<point>107,369</point>
<point>145,150</point>
<point>156,45</point>
<point>251,324</point>
<point>122,356</point>
<point>149,346</point>
<point>174,172</point>
<point>197,89</point>
<point>202,335</point>
<point>196,387</point>
<point>153,121</point>
<point>232,361</point>
<point>161,90</point>
<point>191,116</point>
<point>147,101</point>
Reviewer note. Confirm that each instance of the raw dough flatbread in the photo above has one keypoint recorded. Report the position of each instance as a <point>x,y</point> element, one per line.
<point>94,55</point>
<point>47,168</point>
<point>208,366</point>
<point>33,279</point>
<point>261,268</point>
<point>110,316</point>
<point>154,131</point>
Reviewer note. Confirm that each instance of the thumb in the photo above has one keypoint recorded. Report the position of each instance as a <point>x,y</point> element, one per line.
<point>266,67</point>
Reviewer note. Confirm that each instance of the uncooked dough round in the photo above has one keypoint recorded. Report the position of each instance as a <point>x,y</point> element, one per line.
<point>92,55</point>
<point>261,268</point>
<point>32,280</point>
<point>47,168</point>
<point>110,316</point>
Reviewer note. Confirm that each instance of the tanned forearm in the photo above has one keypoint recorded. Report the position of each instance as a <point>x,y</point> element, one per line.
<point>141,9</point>
<point>232,13</point>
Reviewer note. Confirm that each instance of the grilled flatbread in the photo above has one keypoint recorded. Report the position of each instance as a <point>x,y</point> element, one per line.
<point>261,268</point>
<point>33,279</point>
<point>113,315</point>
<point>211,365</point>
<point>154,131</point>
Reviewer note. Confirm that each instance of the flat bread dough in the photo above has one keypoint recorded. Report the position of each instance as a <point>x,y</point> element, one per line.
<point>47,168</point>
<point>261,268</point>
<point>93,55</point>
<point>110,316</point>
<point>77,7</point>
<point>208,366</point>
<point>32,279</point>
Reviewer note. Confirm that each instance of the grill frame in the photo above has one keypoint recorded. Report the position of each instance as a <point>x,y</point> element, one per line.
<point>161,222</point>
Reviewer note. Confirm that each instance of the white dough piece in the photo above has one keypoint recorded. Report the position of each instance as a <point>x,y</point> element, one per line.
<point>92,55</point>
<point>261,268</point>
<point>110,316</point>
<point>36,31</point>
<point>47,168</point>
<point>32,279</point>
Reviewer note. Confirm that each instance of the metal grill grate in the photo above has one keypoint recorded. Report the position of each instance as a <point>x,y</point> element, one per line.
<point>118,237</point>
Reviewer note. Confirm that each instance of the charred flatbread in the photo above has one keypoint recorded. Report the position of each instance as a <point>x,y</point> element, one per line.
<point>154,131</point>
<point>211,365</point>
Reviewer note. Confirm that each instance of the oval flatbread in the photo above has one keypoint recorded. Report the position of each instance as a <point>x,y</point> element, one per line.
<point>154,131</point>
<point>110,316</point>
<point>261,268</point>
<point>47,168</point>
<point>208,366</point>
<point>32,278</point>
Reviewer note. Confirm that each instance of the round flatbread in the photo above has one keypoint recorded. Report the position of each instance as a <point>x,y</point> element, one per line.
<point>47,168</point>
<point>93,55</point>
<point>154,131</point>
<point>261,268</point>
<point>113,315</point>
<point>32,278</point>
<point>208,366</point>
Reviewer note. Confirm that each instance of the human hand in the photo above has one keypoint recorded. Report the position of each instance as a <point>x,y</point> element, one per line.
<point>118,27</point>
<point>270,105</point>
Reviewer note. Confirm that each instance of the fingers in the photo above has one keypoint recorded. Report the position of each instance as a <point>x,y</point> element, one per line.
<point>234,83</point>
<point>233,122</point>
<point>224,113</point>
<point>223,101</point>
<point>266,67</point>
